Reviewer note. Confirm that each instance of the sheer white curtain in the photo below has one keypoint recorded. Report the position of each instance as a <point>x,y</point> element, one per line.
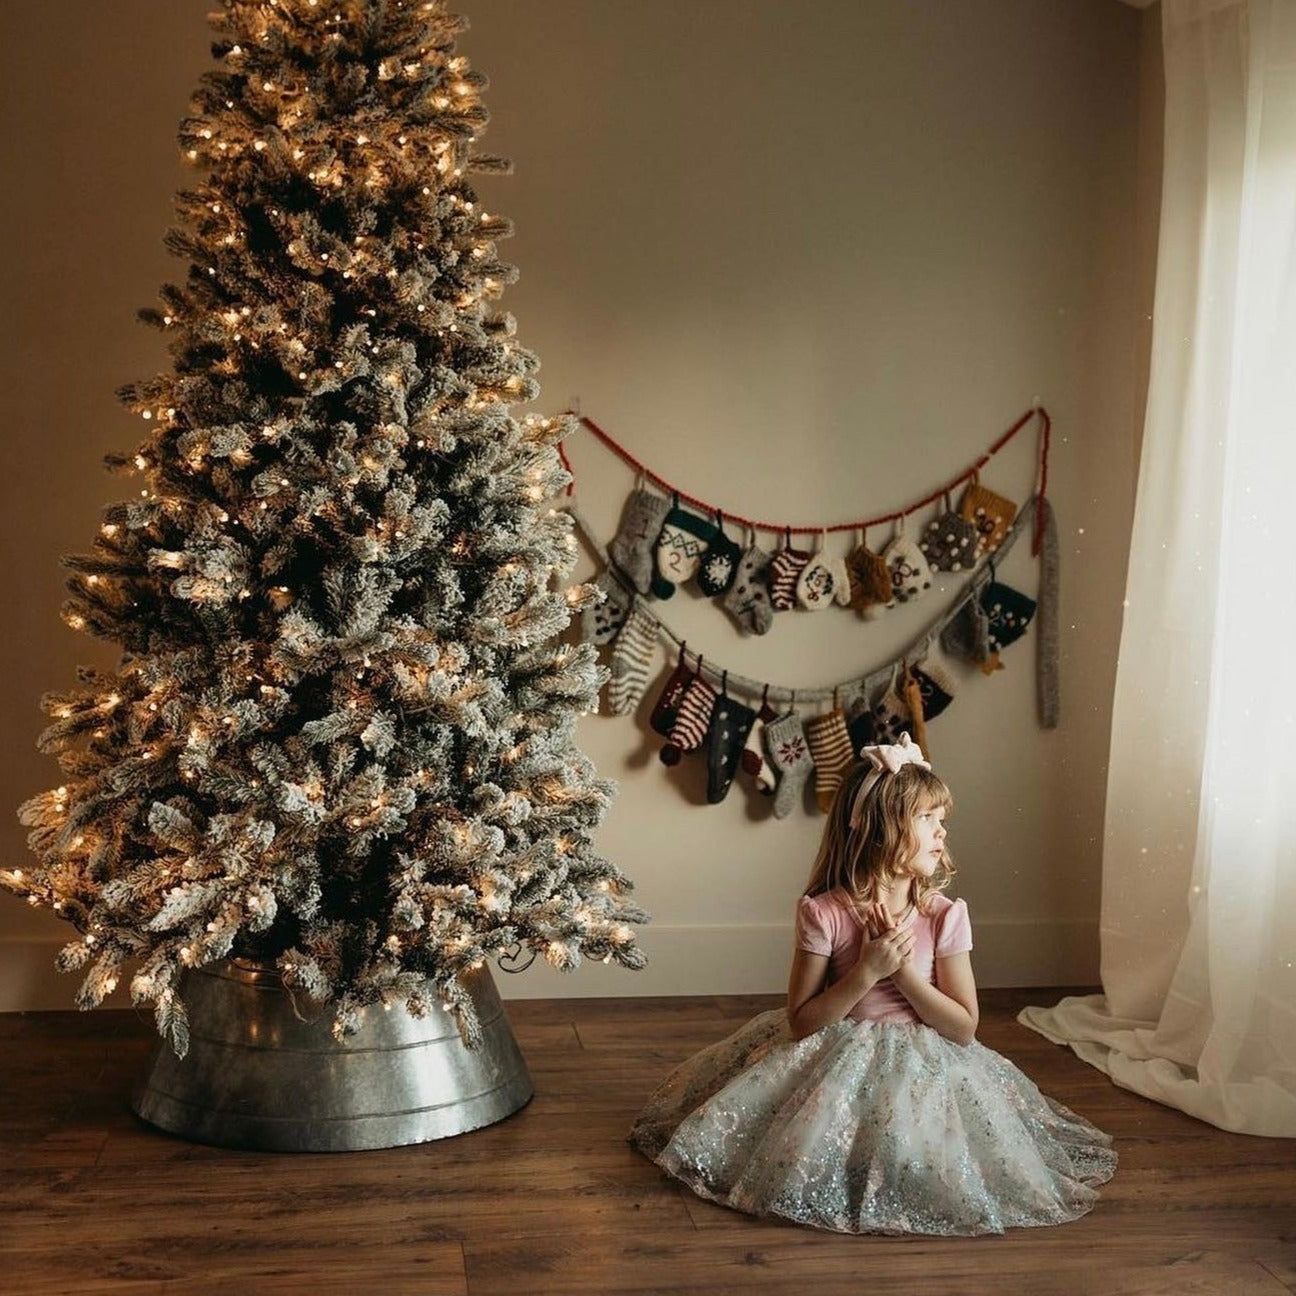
<point>1199,855</point>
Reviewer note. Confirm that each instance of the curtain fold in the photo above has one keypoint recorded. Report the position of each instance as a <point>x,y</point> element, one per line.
<point>1198,917</point>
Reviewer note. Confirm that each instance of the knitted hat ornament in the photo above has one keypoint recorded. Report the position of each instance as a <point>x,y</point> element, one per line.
<point>632,657</point>
<point>951,542</point>
<point>719,567</point>
<point>684,540</point>
<point>884,759</point>
<point>692,720</point>
<point>748,600</point>
<point>784,570</point>
<point>910,574</point>
<point>601,621</point>
<point>635,543</point>
<point>822,582</point>
<point>668,700</point>
<point>726,740</point>
<point>991,514</point>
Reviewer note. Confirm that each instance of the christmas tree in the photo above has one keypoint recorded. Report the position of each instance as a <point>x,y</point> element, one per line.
<point>341,733</point>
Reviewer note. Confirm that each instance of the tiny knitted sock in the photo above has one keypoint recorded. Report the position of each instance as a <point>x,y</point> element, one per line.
<point>911,691</point>
<point>600,623</point>
<point>786,566</point>
<point>789,753</point>
<point>632,656</point>
<point>731,722</point>
<point>870,580</point>
<point>830,747</point>
<point>685,537</point>
<point>748,600</point>
<point>668,700</point>
<point>691,721</point>
<point>636,538</point>
<point>822,582</point>
<point>753,757</point>
<point>1046,647</point>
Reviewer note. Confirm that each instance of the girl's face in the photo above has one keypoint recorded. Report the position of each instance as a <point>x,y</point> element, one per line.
<point>929,832</point>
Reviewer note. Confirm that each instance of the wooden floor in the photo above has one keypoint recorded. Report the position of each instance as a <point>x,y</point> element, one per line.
<point>553,1200</point>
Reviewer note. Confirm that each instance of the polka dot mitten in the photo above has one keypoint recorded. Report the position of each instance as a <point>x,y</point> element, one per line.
<point>910,574</point>
<point>951,542</point>
<point>684,540</point>
<point>633,546</point>
<point>748,601</point>
<point>1009,612</point>
<point>692,721</point>
<point>632,657</point>
<point>601,622</point>
<point>789,753</point>
<point>830,748</point>
<point>731,722</point>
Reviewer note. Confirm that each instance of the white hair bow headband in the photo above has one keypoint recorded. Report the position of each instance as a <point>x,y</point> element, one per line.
<point>886,758</point>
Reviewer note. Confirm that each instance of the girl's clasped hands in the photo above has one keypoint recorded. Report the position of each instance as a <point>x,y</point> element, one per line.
<point>886,947</point>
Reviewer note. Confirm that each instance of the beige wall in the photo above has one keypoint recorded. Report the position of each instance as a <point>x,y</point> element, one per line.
<point>807,260</point>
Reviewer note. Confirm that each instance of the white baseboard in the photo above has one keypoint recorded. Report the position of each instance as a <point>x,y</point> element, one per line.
<point>750,959</point>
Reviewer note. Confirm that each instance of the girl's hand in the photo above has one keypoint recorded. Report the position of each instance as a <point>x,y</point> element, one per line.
<point>882,956</point>
<point>877,918</point>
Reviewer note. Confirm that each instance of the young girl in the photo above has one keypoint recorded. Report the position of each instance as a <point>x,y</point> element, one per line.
<point>868,1106</point>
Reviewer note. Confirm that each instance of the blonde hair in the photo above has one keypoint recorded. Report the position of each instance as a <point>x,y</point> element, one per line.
<point>864,860</point>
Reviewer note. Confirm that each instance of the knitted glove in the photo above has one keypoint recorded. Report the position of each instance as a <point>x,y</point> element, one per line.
<point>748,602</point>
<point>870,581</point>
<point>830,747</point>
<point>991,514</point>
<point>753,756</point>
<point>691,721</point>
<point>731,722</point>
<point>910,575</point>
<point>601,622</point>
<point>784,570</point>
<point>951,542</point>
<point>667,705</point>
<point>822,582</point>
<point>719,567</point>
<point>632,656</point>
<point>789,753</point>
<point>636,538</point>
<point>684,540</point>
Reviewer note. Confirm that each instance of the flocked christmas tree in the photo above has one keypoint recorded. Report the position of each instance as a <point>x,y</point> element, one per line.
<point>340,736</point>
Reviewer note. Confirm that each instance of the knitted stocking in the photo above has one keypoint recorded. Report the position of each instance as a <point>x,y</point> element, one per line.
<point>668,700</point>
<point>641,523</point>
<point>691,721</point>
<point>632,656</point>
<point>731,722</point>
<point>684,540</point>
<point>785,744</point>
<point>784,570</point>
<point>600,623</point>
<point>753,757</point>
<point>748,601</point>
<point>830,747</point>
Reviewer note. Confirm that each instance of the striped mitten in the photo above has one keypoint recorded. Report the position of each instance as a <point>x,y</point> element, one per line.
<point>691,721</point>
<point>830,747</point>
<point>781,577</point>
<point>785,743</point>
<point>632,656</point>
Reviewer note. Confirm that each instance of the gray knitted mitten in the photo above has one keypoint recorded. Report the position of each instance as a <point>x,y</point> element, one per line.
<point>789,753</point>
<point>634,547</point>
<point>748,601</point>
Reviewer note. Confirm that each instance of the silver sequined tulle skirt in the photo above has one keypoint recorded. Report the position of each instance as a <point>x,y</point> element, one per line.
<point>872,1128</point>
